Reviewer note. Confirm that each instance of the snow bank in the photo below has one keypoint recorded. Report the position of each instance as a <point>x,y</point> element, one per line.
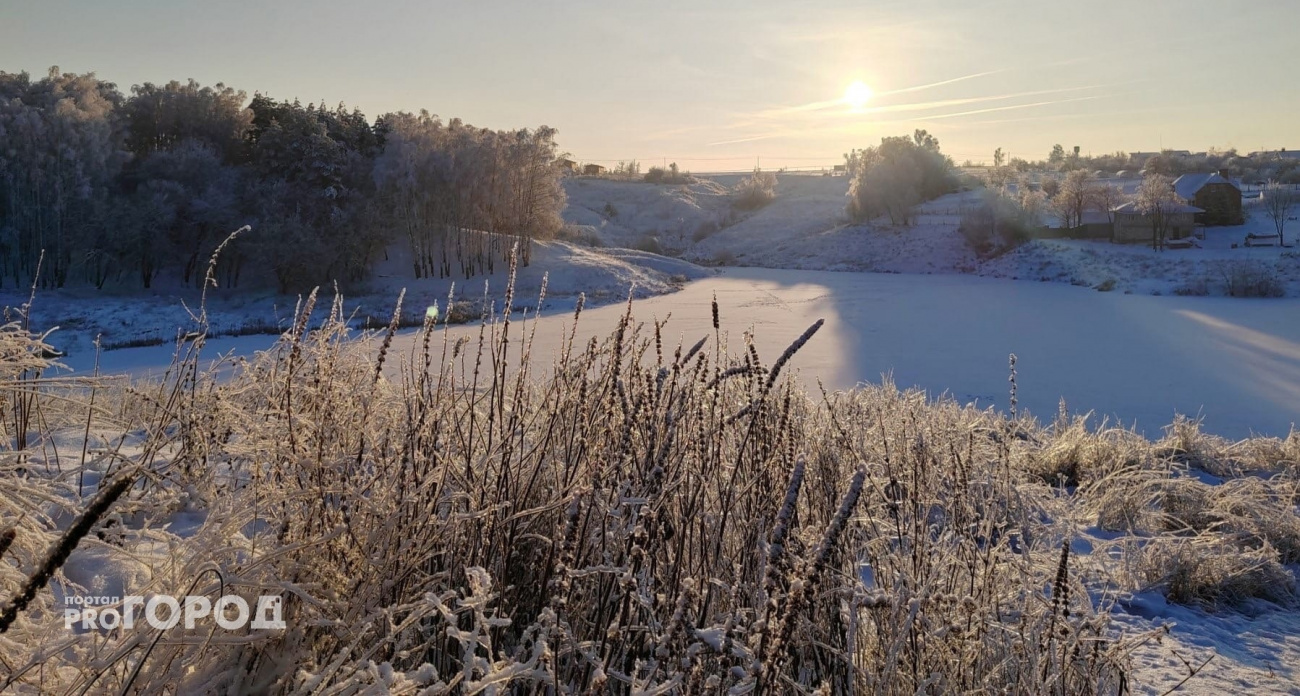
<point>126,320</point>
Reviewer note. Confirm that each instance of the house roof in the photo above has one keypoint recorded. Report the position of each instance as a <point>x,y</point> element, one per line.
<point>1187,185</point>
<point>1132,207</point>
<point>1284,154</point>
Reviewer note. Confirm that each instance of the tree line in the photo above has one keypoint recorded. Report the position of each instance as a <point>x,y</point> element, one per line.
<point>1263,166</point>
<point>102,188</point>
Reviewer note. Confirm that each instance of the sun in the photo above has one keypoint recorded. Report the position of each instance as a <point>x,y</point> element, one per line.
<point>857,95</point>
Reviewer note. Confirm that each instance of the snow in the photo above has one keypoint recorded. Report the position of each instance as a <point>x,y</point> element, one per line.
<point>925,319</point>
<point>805,228</point>
<point>1138,268</point>
<point>1254,652</point>
<point>622,213</point>
<point>1137,359</point>
<point>1187,185</point>
<point>1254,648</point>
<point>157,316</point>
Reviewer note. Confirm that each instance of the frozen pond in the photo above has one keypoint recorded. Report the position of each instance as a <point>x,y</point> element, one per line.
<point>1137,359</point>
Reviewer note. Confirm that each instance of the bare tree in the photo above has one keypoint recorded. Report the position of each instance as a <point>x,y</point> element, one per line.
<point>1279,200</point>
<point>1109,197</point>
<point>1157,201</point>
<point>1076,196</point>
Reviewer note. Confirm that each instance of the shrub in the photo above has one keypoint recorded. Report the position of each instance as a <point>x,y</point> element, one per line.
<point>894,177</point>
<point>650,243</point>
<point>1245,279</point>
<point>706,229</point>
<point>580,234</point>
<point>724,257</point>
<point>1196,287</point>
<point>996,225</point>
<point>671,176</point>
<point>1206,570</point>
<point>630,169</point>
<point>755,191</point>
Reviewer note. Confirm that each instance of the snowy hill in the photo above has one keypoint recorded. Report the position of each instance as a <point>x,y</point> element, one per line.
<point>806,228</point>
<point>624,213</point>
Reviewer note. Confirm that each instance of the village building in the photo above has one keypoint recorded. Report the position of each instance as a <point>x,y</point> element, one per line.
<point>1219,198</point>
<point>566,165</point>
<point>593,170</point>
<point>1134,226</point>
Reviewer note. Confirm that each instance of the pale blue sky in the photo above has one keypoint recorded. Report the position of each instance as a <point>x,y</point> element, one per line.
<point>715,85</point>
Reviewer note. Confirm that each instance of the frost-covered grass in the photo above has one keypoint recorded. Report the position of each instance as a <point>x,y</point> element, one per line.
<point>645,518</point>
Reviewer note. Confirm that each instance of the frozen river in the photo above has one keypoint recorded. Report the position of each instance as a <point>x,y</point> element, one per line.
<point>1137,359</point>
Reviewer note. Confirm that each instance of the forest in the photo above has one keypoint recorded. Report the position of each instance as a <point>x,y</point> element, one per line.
<point>110,190</point>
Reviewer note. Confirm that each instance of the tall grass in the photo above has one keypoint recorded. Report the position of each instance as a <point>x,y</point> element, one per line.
<point>636,517</point>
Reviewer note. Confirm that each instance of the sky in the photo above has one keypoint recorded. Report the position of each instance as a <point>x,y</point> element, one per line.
<point>724,85</point>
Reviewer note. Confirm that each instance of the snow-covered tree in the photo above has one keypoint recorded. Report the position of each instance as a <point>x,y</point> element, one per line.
<point>893,177</point>
<point>162,117</point>
<point>1157,200</point>
<point>61,151</point>
<point>445,186</point>
<point>1076,196</point>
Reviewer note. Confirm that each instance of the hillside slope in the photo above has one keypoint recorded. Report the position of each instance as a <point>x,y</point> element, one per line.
<point>806,228</point>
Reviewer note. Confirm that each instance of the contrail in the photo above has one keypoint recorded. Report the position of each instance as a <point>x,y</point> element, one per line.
<point>830,103</point>
<point>917,106</point>
<point>1015,106</point>
<point>926,106</point>
<point>751,139</point>
<point>922,119</point>
<point>941,83</point>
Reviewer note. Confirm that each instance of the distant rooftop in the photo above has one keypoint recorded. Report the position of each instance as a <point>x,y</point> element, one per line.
<point>1284,154</point>
<point>1187,185</point>
<point>1132,207</point>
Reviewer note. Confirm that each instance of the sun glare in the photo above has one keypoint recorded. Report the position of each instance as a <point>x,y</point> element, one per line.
<point>857,95</point>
